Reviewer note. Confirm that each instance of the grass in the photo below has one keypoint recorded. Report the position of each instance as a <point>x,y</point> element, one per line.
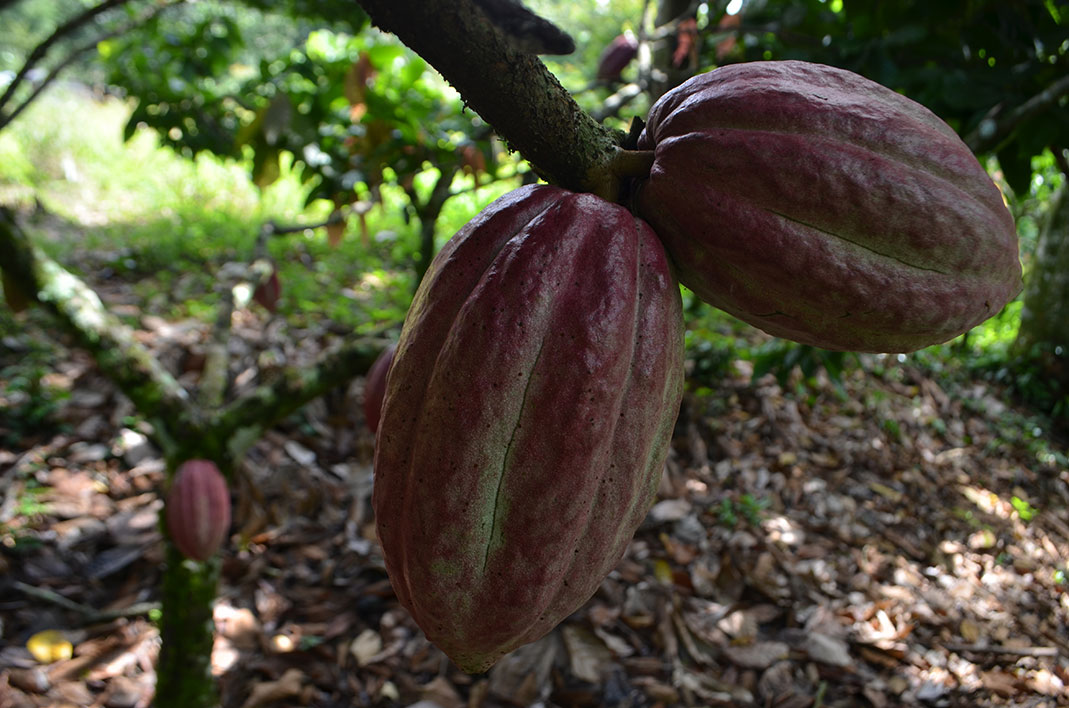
<point>166,223</point>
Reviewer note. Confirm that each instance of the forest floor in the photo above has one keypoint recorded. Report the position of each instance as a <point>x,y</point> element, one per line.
<point>903,545</point>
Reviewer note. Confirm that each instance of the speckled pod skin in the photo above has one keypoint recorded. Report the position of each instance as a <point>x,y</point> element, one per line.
<point>198,509</point>
<point>822,207</point>
<point>527,417</point>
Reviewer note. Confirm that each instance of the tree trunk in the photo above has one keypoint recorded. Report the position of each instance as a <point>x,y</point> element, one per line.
<point>1044,331</point>
<point>183,676</point>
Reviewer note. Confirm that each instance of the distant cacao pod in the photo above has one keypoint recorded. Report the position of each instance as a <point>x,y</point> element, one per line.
<point>198,509</point>
<point>527,417</point>
<point>375,387</point>
<point>824,208</point>
<point>615,58</point>
<point>268,292</point>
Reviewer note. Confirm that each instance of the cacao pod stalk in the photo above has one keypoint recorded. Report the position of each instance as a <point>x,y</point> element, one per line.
<point>527,417</point>
<point>824,208</point>
<point>198,509</point>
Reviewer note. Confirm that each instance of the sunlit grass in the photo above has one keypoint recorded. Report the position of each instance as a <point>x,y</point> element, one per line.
<point>166,223</point>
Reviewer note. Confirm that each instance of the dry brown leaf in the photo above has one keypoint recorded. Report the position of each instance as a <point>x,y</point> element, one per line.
<point>589,659</point>
<point>366,646</point>
<point>287,686</point>
<point>827,650</point>
<point>759,655</point>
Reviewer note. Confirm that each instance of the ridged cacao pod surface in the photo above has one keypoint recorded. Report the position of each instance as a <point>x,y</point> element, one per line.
<point>527,417</point>
<point>615,58</point>
<point>375,387</point>
<point>198,509</point>
<point>822,207</point>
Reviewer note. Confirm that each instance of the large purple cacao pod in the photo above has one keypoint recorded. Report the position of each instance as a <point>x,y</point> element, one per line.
<point>198,509</point>
<point>824,208</point>
<point>527,417</point>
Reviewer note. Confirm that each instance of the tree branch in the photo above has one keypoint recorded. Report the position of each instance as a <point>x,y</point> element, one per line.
<point>63,30</point>
<point>994,130</point>
<point>513,92</point>
<point>5,119</point>
<point>112,344</point>
<point>243,420</point>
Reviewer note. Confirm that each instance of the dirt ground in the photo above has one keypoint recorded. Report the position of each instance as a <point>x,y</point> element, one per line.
<point>904,545</point>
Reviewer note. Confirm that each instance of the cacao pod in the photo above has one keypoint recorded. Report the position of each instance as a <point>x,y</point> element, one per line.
<point>527,418</point>
<point>268,292</point>
<point>822,207</point>
<point>375,387</point>
<point>198,509</point>
<point>615,58</point>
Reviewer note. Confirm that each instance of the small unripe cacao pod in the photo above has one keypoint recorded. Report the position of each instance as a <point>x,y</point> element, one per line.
<point>198,509</point>
<point>615,58</point>
<point>527,417</point>
<point>375,387</point>
<point>824,208</point>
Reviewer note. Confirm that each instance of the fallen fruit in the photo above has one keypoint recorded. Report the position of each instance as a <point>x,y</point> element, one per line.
<point>824,208</point>
<point>527,418</point>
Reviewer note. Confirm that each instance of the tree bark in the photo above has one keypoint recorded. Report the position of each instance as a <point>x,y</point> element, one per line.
<point>513,92</point>
<point>187,632</point>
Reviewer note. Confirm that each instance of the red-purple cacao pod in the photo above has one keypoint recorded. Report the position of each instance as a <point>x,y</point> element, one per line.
<point>268,292</point>
<point>527,417</point>
<point>615,58</point>
<point>375,387</point>
<point>824,208</point>
<point>198,509</point>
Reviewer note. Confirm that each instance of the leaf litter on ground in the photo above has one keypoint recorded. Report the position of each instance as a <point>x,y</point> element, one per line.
<point>904,545</point>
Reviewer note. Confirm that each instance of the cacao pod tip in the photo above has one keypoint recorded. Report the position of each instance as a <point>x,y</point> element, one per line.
<point>198,509</point>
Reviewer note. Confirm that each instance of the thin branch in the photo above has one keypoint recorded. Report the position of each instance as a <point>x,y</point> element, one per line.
<point>244,419</point>
<point>614,103</point>
<point>1008,651</point>
<point>90,615</point>
<point>63,30</point>
<point>5,119</point>
<point>274,229</point>
<point>993,130</point>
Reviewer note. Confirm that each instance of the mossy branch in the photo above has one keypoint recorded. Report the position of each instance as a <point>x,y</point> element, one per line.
<point>512,91</point>
<point>123,359</point>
